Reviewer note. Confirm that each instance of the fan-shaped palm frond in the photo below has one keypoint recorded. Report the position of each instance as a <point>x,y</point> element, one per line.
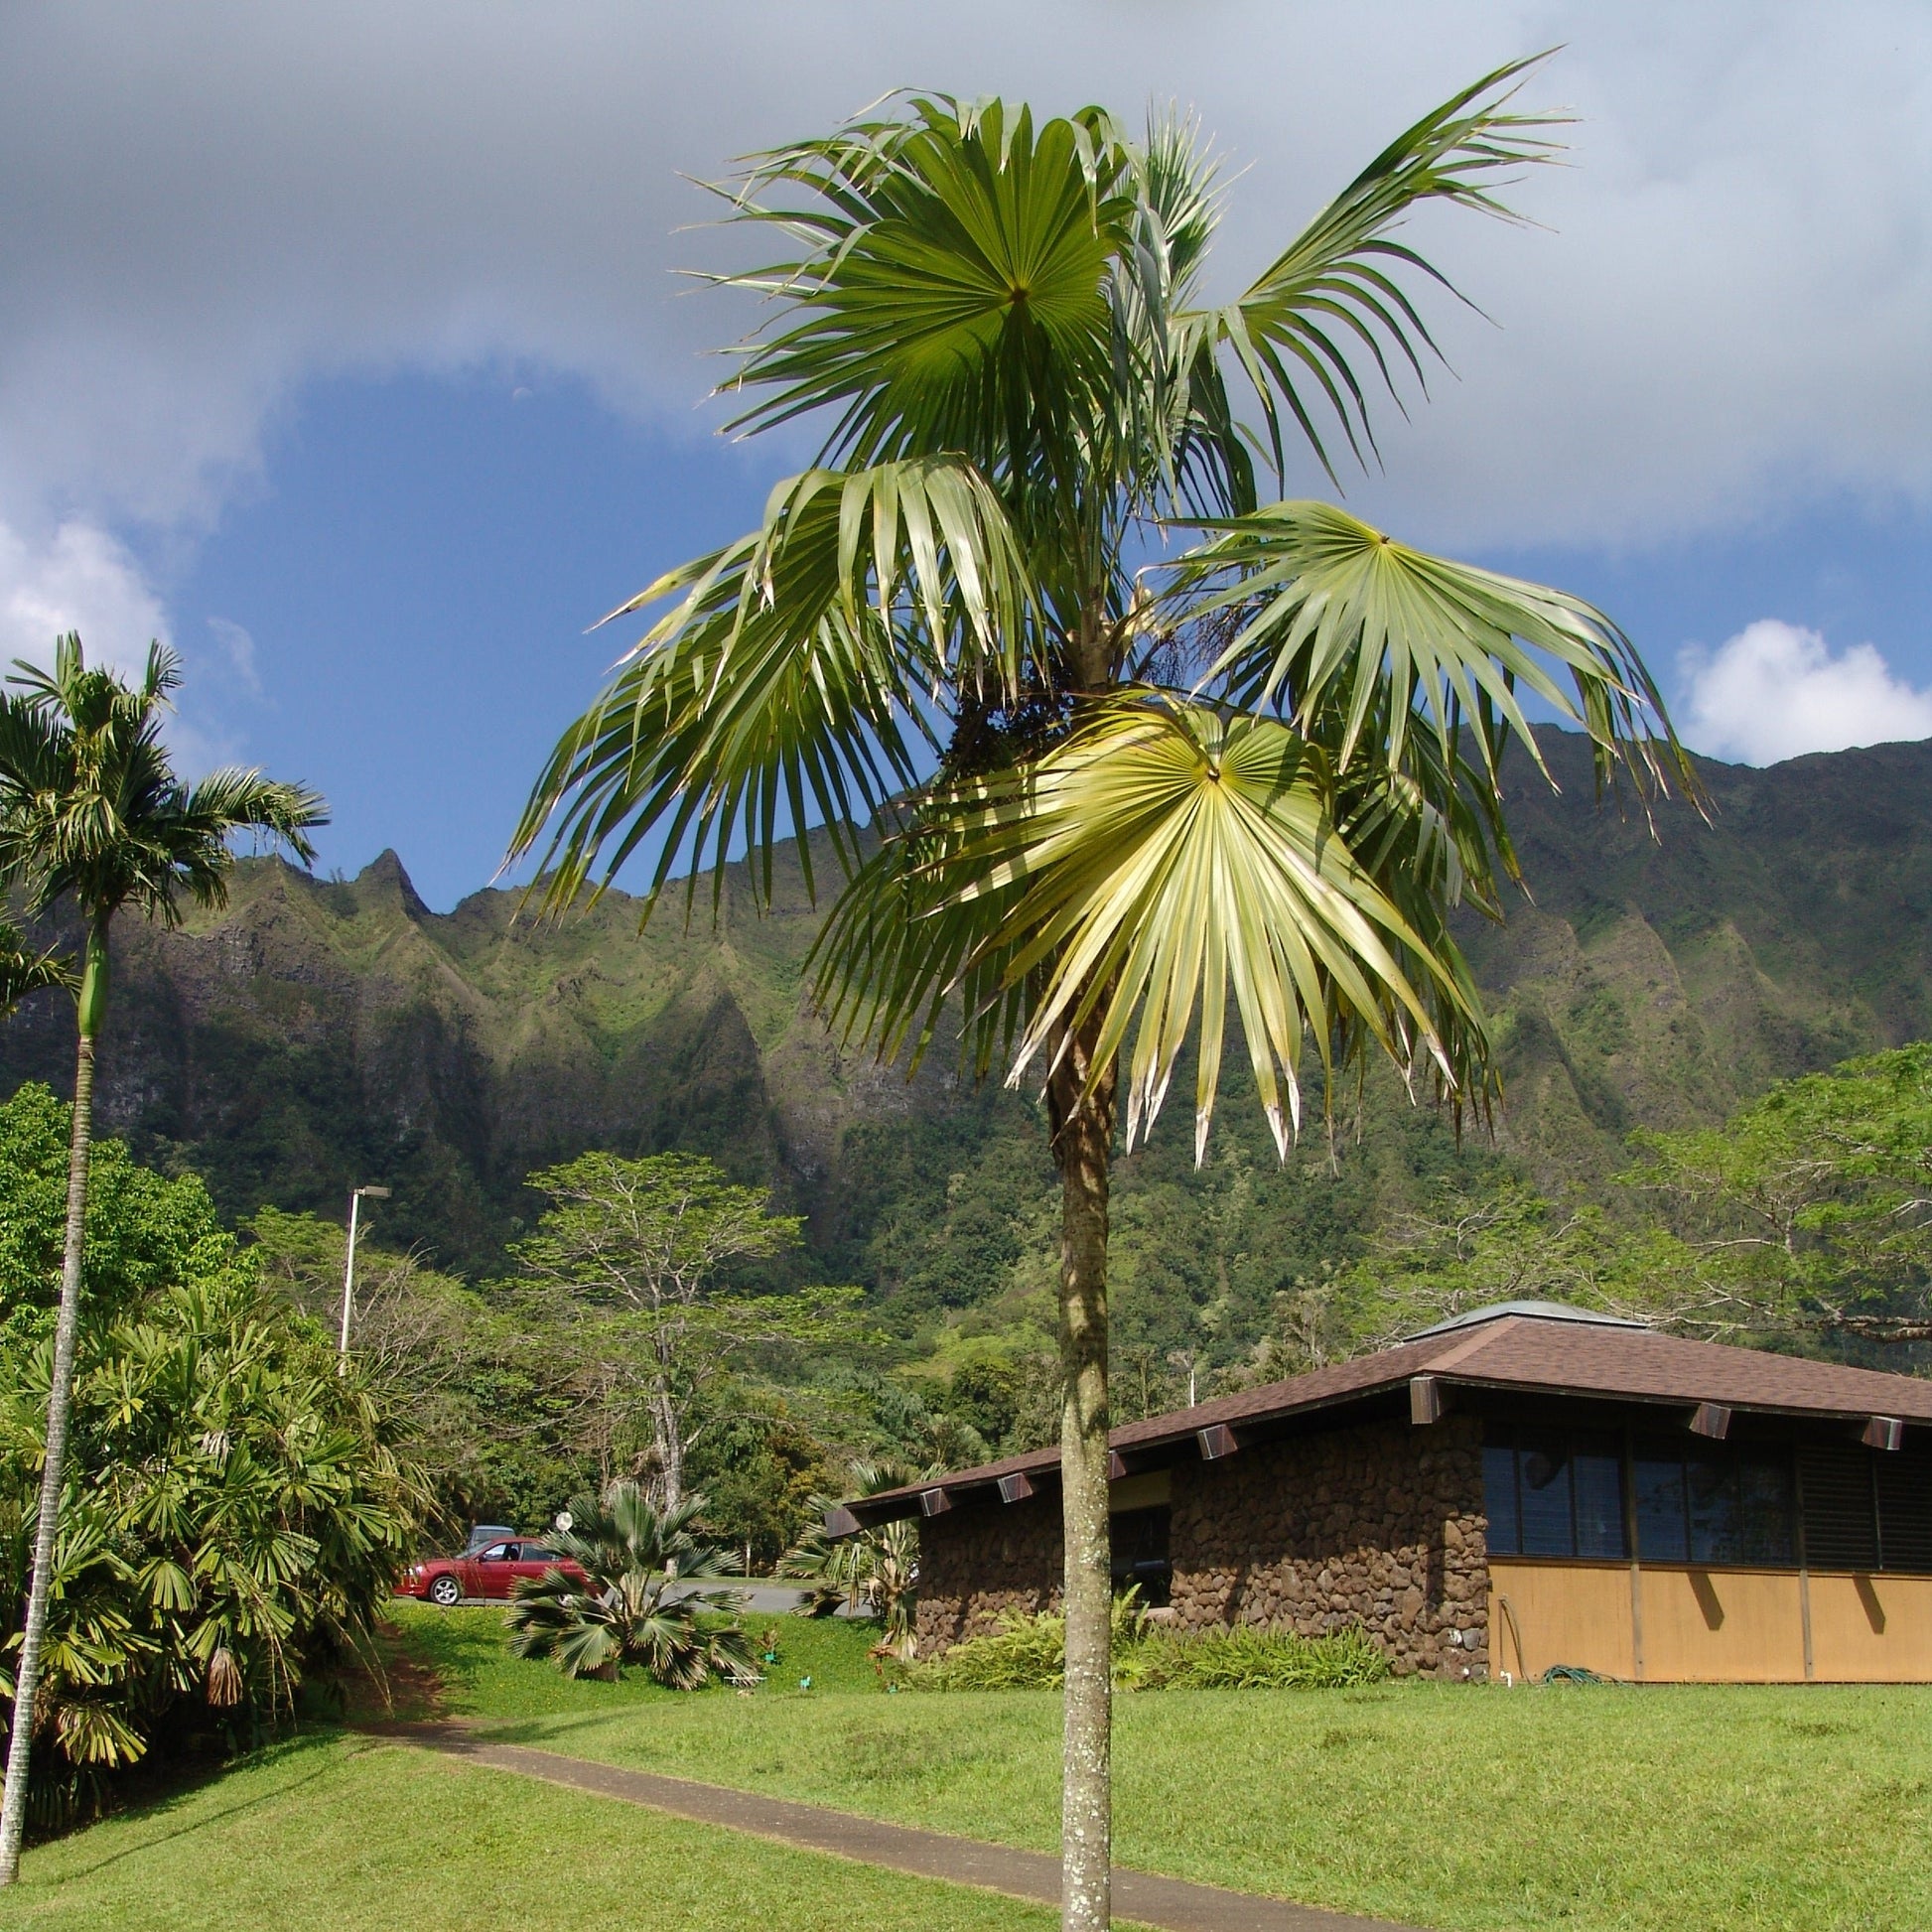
<point>1165,850</point>
<point>645,1600</point>
<point>1334,615</point>
<point>950,296</point>
<point>795,676</point>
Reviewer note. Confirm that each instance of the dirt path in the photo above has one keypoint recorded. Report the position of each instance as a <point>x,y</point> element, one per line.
<point>1143,1898</point>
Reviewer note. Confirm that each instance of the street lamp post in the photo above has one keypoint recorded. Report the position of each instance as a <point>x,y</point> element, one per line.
<point>355,1201</point>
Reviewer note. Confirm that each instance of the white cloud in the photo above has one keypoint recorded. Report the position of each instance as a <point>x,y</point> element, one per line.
<point>1775,691</point>
<point>238,649</point>
<point>206,207</point>
<point>81,577</point>
<point>78,578</point>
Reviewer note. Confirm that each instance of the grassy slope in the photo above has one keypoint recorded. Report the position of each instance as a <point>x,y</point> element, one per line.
<point>1655,1809</point>
<point>1597,1809</point>
<point>336,1830</point>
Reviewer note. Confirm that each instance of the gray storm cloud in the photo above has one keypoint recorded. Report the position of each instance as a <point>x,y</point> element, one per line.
<point>204,207</point>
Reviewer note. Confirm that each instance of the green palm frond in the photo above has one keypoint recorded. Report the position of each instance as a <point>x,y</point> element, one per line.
<point>796,675</point>
<point>91,806</point>
<point>23,972</point>
<point>1335,616</point>
<point>1336,287</point>
<point>951,292</point>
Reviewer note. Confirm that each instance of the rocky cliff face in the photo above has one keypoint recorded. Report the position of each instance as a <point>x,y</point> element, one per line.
<point>316,1034</point>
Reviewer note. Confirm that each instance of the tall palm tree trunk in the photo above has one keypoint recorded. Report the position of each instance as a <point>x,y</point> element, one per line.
<point>13,1812</point>
<point>1083,1135</point>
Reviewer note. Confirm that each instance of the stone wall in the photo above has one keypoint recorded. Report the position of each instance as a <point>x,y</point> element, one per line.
<point>1379,1523</point>
<point>979,1559</point>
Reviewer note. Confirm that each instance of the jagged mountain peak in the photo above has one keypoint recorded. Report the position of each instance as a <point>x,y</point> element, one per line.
<point>384,875</point>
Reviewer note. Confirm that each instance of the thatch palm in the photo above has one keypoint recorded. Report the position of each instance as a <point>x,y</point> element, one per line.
<point>1268,755</point>
<point>93,813</point>
<point>644,1602</point>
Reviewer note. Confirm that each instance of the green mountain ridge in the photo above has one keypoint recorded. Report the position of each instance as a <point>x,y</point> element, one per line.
<point>316,1035</point>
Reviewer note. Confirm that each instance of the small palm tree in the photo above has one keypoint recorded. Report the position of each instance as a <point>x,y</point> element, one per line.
<point>1131,738</point>
<point>878,1569</point>
<point>23,972</point>
<point>92,812</point>
<point>640,1606</point>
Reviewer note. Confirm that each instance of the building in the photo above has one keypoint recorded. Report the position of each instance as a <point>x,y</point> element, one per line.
<point>1525,1486</point>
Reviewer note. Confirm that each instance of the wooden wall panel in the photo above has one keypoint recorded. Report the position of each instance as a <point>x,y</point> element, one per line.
<point>1722,1626</point>
<point>1567,1614</point>
<point>1871,1630</point>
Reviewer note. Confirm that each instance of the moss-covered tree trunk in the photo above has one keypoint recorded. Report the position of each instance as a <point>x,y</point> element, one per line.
<point>1083,1135</point>
<point>67,1329</point>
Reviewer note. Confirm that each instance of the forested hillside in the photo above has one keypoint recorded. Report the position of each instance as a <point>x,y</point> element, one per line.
<point>317,1035</point>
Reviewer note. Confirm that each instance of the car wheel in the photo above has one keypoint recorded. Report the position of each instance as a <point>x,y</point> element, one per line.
<point>445,1592</point>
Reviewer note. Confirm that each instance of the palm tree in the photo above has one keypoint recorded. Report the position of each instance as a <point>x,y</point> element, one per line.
<point>1126,733</point>
<point>23,973</point>
<point>91,811</point>
<point>876,1568</point>
<point>643,1602</point>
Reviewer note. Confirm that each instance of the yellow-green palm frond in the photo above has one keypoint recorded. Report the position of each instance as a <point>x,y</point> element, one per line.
<point>1333,614</point>
<point>1164,853</point>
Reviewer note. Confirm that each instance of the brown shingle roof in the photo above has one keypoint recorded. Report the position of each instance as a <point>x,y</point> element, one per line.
<point>1516,1352</point>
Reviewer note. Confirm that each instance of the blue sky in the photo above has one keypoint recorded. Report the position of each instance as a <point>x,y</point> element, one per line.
<point>417,565</point>
<point>343,349</point>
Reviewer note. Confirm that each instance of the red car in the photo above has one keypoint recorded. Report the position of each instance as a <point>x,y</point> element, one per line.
<point>489,1572</point>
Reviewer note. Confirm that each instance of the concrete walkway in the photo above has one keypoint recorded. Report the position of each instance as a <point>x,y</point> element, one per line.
<point>1141,1896</point>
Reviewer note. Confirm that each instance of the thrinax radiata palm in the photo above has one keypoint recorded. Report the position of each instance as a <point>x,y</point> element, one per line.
<point>92,814</point>
<point>1127,735</point>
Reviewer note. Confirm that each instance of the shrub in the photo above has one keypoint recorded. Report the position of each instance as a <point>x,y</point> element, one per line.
<point>234,1515</point>
<point>642,1602</point>
<point>1249,1658</point>
<point>1029,1653</point>
<point>1025,1653</point>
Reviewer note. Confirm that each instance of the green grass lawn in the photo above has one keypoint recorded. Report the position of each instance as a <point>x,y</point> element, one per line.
<point>333,1831</point>
<point>1669,1807</point>
<point>1677,1809</point>
<point>465,1649</point>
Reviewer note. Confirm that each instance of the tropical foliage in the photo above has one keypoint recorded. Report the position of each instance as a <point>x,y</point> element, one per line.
<point>874,1571</point>
<point>640,1253</point>
<point>1811,1209</point>
<point>1027,1652</point>
<point>1803,1220</point>
<point>93,816</point>
<point>648,1599</point>
<point>233,1521</point>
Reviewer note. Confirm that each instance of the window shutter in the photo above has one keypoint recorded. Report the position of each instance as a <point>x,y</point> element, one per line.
<point>1841,1526</point>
